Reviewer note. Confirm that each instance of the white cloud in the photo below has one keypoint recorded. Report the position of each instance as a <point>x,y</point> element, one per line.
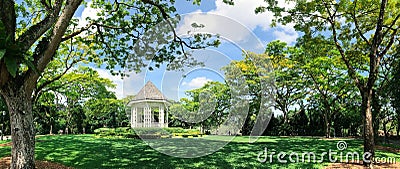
<point>286,33</point>
<point>88,12</point>
<point>228,28</point>
<point>116,80</point>
<point>196,82</point>
<point>242,12</point>
<point>133,83</point>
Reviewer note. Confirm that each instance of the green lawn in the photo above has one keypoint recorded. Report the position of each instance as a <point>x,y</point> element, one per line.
<point>87,151</point>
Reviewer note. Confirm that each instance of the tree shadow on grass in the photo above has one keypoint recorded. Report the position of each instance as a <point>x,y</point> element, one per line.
<point>86,151</point>
<point>90,152</point>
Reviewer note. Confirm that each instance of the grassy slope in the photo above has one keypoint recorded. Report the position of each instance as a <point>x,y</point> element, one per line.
<point>87,151</point>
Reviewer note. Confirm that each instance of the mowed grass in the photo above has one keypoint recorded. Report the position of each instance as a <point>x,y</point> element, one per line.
<point>88,151</point>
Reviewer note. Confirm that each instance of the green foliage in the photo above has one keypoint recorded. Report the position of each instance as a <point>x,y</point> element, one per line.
<point>180,132</point>
<point>250,81</point>
<point>289,80</point>
<point>125,132</point>
<point>109,39</point>
<point>9,51</point>
<point>150,130</point>
<point>89,103</point>
<point>175,130</point>
<point>146,133</point>
<point>105,112</point>
<point>11,65</point>
<point>2,53</point>
<point>208,106</point>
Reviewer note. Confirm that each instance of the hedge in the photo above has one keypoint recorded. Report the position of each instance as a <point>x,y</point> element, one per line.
<point>147,133</point>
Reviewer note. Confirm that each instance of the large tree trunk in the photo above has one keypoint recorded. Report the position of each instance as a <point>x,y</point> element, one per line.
<point>339,132</point>
<point>51,129</point>
<point>398,128</point>
<point>369,143</point>
<point>327,125</point>
<point>376,112</point>
<point>17,90</point>
<point>385,132</point>
<point>22,129</point>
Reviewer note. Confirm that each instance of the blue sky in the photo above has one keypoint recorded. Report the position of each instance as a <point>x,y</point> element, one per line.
<point>239,27</point>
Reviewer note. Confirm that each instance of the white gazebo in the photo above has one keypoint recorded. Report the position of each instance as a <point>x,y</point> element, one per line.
<point>149,108</point>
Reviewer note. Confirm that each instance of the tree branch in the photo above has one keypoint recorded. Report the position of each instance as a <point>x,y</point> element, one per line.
<point>391,25</point>
<point>54,42</point>
<point>29,37</point>
<point>377,40</point>
<point>318,87</point>
<point>353,14</point>
<point>73,34</point>
<point>39,88</point>
<point>391,41</point>
<point>351,70</point>
<point>103,39</point>
<point>122,3</point>
<point>166,18</point>
<point>8,17</point>
<point>44,3</point>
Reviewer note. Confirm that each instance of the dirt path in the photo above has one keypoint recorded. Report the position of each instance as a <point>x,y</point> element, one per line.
<point>5,164</point>
<point>360,166</point>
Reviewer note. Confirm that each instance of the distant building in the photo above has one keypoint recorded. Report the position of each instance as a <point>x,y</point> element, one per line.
<point>149,108</point>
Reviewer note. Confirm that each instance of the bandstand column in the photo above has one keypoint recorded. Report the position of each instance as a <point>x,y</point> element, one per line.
<point>149,117</point>
<point>134,117</point>
<point>161,116</point>
<point>145,112</point>
<point>166,125</point>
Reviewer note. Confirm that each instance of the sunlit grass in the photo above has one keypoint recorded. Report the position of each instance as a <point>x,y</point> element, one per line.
<point>88,151</point>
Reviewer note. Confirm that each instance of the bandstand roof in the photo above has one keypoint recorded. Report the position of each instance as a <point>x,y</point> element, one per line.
<point>149,92</point>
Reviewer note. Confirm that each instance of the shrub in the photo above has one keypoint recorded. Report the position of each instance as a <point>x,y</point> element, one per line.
<point>181,130</point>
<point>127,132</point>
<point>186,133</point>
<point>121,131</point>
<point>101,130</point>
<point>150,136</point>
<point>160,131</point>
<point>130,135</point>
<point>193,131</point>
<point>147,133</point>
<point>175,130</point>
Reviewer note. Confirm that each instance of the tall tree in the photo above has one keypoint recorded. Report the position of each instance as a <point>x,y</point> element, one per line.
<point>208,106</point>
<point>360,30</point>
<point>77,87</point>
<point>31,33</point>
<point>288,76</point>
<point>252,90</point>
<point>324,68</point>
<point>104,112</point>
<point>393,87</point>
